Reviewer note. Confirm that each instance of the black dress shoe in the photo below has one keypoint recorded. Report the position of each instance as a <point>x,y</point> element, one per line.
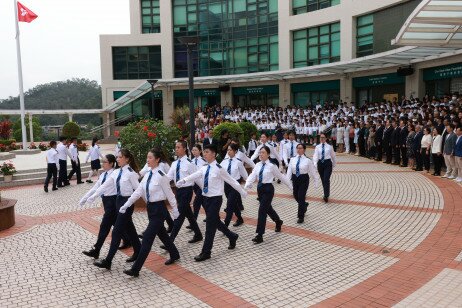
<point>232,242</point>
<point>125,246</point>
<point>67,184</point>
<point>54,188</point>
<point>204,220</point>
<point>169,229</point>
<point>80,182</point>
<point>300,220</point>
<point>132,273</point>
<point>103,264</point>
<point>45,189</point>
<point>278,226</point>
<point>92,253</point>
<point>162,247</point>
<point>132,258</point>
<point>188,227</point>
<point>195,239</point>
<point>140,236</point>
<point>326,199</point>
<point>60,186</point>
<point>202,257</point>
<point>89,181</point>
<point>238,222</point>
<point>258,239</point>
<point>171,260</point>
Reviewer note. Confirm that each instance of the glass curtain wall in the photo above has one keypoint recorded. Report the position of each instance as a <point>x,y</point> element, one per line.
<point>235,36</point>
<point>364,35</point>
<point>150,16</point>
<point>143,62</point>
<point>305,6</point>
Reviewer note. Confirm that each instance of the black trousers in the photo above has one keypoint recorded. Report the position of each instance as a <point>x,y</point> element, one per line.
<point>123,223</point>
<point>404,159</point>
<point>379,152</point>
<point>396,154</point>
<point>198,200</point>
<point>372,152</point>
<point>425,158</point>
<point>183,197</point>
<point>213,223</point>
<point>52,171</point>
<point>109,218</point>
<point>325,171</point>
<point>157,212</point>
<point>62,177</point>
<point>352,145</point>
<point>232,204</point>
<point>265,196</point>
<point>418,160</point>
<point>438,162</point>
<point>300,187</point>
<point>76,170</point>
<point>388,152</point>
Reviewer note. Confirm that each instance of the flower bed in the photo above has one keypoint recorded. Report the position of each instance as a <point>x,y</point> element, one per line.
<point>8,168</point>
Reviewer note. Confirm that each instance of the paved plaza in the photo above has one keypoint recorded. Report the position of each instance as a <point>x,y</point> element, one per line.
<point>388,237</point>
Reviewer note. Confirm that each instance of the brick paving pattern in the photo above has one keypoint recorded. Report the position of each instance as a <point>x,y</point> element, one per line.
<point>388,237</point>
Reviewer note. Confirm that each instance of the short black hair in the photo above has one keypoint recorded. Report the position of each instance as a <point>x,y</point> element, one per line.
<point>183,143</point>
<point>211,147</point>
<point>234,147</point>
<point>62,138</point>
<point>303,145</point>
<point>52,143</point>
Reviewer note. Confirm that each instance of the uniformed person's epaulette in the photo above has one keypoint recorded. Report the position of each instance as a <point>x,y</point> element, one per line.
<point>238,159</point>
<point>130,169</point>
<point>203,159</point>
<point>189,160</point>
<point>161,173</point>
<point>218,165</point>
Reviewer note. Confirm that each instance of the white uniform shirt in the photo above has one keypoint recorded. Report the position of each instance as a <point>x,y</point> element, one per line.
<point>252,145</point>
<point>128,183</point>
<point>186,168</point>
<point>237,168</point>
<point>288,150</point>
<point>328,154</point>
<point>282,145</point>
<point>198,161</point>
<point>162,166</point>
<point>52,156</point>
<point>94,153</point>
<point>216,178</point>
<point>111,191</point>
<point>74,152</point>
<point>273,152</point>
<point>63,152</point>
<point>306,166</point>
<point>159,189</point>
<point>269,173</point>
<point>244,158</point>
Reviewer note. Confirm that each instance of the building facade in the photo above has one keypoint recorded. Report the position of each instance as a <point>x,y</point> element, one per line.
<point>250,36</point>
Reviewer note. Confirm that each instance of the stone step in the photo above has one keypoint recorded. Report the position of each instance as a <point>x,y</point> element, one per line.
<point>29,177</point>
<point>30,181</point>
<point>82,166</point>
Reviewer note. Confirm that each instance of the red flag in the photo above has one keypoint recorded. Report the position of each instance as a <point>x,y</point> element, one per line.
<point>24,14</point>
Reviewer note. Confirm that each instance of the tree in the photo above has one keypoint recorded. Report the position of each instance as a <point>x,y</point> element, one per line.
<point>5,129</point>
<point>36,128</point>
<point>71,130</point>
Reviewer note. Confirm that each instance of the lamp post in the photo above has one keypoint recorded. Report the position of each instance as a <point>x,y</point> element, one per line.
<point>153,105</point>
<point>190,42</point>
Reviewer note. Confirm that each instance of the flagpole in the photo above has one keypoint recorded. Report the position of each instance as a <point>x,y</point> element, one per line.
<point>21,89</point>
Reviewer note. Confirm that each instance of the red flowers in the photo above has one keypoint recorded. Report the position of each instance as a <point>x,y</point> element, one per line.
<point>145,128</point>
<point>152,135</point>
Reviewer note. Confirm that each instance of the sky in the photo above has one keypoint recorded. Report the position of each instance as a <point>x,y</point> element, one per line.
<point>62,43</point>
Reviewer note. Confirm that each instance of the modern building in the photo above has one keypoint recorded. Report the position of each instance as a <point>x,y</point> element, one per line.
<point>278,53</point>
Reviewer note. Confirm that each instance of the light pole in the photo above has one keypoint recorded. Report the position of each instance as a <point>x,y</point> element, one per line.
<point>153,105</point>
<point>190,42</point>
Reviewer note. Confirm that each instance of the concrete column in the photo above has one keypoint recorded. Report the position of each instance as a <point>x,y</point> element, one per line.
<point>284,94</point>
<point>31,130</point>
<point>415,85</point>
<point>346,88</point>
<point>284,35</point>
<point>70,116</point>
<point>167,101</point>
<point>226,98</point>
<point>106,126</point>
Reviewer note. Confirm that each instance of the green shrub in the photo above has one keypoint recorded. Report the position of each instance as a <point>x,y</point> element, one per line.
<point>248,129</point>
<point>36,129</point>
<point>7,142</point>
<point>71,130</point>
<point>139,137</point>
<point>234,130</point>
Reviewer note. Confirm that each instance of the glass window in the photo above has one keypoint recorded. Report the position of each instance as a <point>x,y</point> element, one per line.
<point>142,62</point>
<point>150,16</point>
<point>365,35</point>
<point>304,6</point>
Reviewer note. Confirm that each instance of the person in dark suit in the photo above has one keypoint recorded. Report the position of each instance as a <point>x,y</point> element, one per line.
<point>386,142</point>
<point>210,140</point>
<point>379,140</point>
<point>402,142</point>
<point>416,144</point>
<point>361,140</point>
<point>394,142</point>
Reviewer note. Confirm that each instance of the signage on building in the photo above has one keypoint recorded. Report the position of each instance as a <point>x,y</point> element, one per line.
<point>443,72</point>
<point>378,80</point>
<point>273,89</point>
<point>197,93</point>
<point>315,86</point>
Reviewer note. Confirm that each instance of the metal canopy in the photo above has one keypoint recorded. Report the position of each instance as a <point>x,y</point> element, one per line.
<point>433,23</point>
<point>402,56</point>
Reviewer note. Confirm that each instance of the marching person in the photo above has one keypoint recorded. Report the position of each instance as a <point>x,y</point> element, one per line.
<point>154,189</point>
<point>290,149</point>
<point>63,153</point>
<point>212,177</point>
<point>300,170</point>
<point>274,156</point>
<point>94,155</point>
<point>324,158</point>
<point>234,166</point>
<point>181,168</point>
<point>75,161</point>
<point>109,205</point>
<point>265,171</point>
<point>241,154</point>
<point>252,145</point>
<point>52,166</point>
<point>125,181</point>
<point>199,161</point>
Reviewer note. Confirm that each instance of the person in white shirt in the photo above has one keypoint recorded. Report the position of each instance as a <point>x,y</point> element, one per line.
<point>52,166</point>
<point>198,161</point>
<point>63,153</point>
<point>117,148</point>
<point>212,177</point>
<point>94,154</point>
<point>300,170</point>
<point>75,162</point>
<point>437,152</point>
<point>241,154</point>
<point>154,189</point>
<point>265,172</point>
<point>109,204</point>
<point>340,137</point>
<point>274,156</point>
<point>252,145</point>
<point>290,149</point>
<point>425,145</point>
<point>235,167</point>
<point>324,158</point>
<point>125,181</point>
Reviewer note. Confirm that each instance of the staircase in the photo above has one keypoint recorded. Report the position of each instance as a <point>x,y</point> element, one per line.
<point>37,176</point>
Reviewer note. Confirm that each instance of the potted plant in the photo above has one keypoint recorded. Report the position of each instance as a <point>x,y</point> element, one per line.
<point>8,169</point>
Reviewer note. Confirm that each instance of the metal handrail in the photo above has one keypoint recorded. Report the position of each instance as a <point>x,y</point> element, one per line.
<point>113,122</point>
